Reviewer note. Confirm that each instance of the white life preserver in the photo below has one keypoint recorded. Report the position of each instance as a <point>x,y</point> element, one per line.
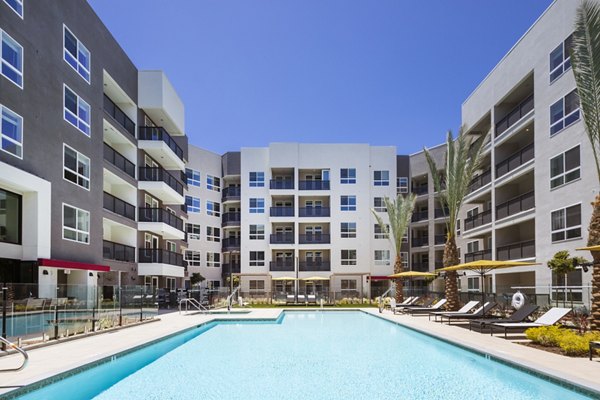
<point>518,300</point>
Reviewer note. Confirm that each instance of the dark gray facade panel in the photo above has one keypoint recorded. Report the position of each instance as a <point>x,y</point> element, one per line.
<point>402,165</point>
<point>232,163</point>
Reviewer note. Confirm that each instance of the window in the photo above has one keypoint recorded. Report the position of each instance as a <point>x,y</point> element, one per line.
<point>77,111</point>
<point>11,134</point>
<point>382,233</point>
<point>458,227</point>
<point>473,284</point>
<point>192,257</point>
<point>402,184</point>
<point>564,112</point>
<point>76,55</point>
<point>213,284</point>
<point>213,259</point>
<point>76,224</point>
<point>256,284</point>
<point>381,178</point>
<point>404,260</point>
<point>382,257</point>
<point>192,204</point>
<point>16,5</point>
<point>257,232</point>
<point>566,223</point>
<point>348,203</point>
<point>213,234</point>
<point>213,208</point>
<point>348,257</point>
<point>257,258</point>
<point>193,231</point>
<point>405,237</point>
<point>171,246</point>
<point>12,59</point>
<point>76,167</point>
<point>257,206</point>
<point>257,179</point>
<point>473,246</point>
<point>348,284</point>
<point>10,217</point>
<point>348,229</point>
<point>379,204</point>
<point>565,167</point>
<point>348,175</point>
<point>560,59</point>
<point>213,183</point>
<point>193,177</point>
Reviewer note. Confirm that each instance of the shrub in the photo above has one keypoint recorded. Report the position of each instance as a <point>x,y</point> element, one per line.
<point>574,345</point>
<point>544,335</point>
<point>570,342</point>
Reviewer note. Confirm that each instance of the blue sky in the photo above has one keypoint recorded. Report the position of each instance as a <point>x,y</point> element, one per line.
<point>384,72</point>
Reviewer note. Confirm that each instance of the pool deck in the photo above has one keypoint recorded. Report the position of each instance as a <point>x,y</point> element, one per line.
<point>47,361</point>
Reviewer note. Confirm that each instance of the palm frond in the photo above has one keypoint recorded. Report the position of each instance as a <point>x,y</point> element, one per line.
<point>399,213</point>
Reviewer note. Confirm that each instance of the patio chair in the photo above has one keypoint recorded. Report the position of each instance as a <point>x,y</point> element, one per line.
<point>519,315</point>
<point>425,304</point>
<point>550,317</point>
<point>463,310</point>
<point>301,298</point>
<point>311,299</point>
<point>290,299</point>
<point>480,312</point>
<point>425,310</point>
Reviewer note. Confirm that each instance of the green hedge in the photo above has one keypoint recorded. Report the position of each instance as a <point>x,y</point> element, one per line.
<point>572,343</point>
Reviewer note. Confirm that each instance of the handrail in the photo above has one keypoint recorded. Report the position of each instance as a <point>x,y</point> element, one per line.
<point>230,297</point>
<point>197,305</point>
<point>20,350</point>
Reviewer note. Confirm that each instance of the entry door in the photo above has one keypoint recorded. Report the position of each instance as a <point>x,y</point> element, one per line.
<point>155,281</point>
<point>325,175</point>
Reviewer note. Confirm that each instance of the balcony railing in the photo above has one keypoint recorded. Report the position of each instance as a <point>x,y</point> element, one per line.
<point>231,243</point>
<point>159,133</point>
<point>514,116</point>
<point>420,190</point>
<point>118,206</point>
<point>282,265</point>
<point>160,215</point>
<point>160,256</point>
<point>515,161</point>
<point>281,212</point>
<point>514,206</point>
<point>314,212</point>
<point>439,239</point>
<point>278,184</point>
<point>117,159</point>
<point>314,185</point>
<point>481,180</point>
<point>516,251</point>
<point>420,266</point>
<point>157,174</point>
<point>441,212</point>
<point>231,268</point>
<point>118,115</point>
<point>315,265</point>
<point>320,238</point>
<point>118,252</point>
<point>231,193</point>
<point>480,219</point>
<point>478,255</point>
<point>231,219</point>
<point>282,238</point>
<point>420,216</point>
<point>420,241</point>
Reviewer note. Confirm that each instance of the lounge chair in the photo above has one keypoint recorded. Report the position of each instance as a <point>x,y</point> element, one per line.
<point>406,302</point>
<point>311,299</point>
<point>290,299</point>
<point>550,317</point>
<point>301,298</point>
<point>425,310</point>
<point>593,345</point>
<point>425,304</point>
<point>480,312</point>
<point>518,316</point>
<point>463,310</point>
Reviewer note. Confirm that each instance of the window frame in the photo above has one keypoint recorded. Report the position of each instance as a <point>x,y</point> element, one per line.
<point>257,208</point>
<point>256,235</point>
<point>190,229</point>
<point>350,205</point>
<point>76,230</point>
<point>195,260</point>
<point>565,228</point>
<point>19,199</point>
<point>213,234</point>
<point>213,259</point>
<point>381,207</point>
<point>254,260</point>
<point>213,183</point>
<point>4,137</point>
<point>379,233</point>
<point>350,177</point>
<point>381,181</point>
<point>562,120</point>
<point>564,174</point>
<point>20,73</point>
<point>564,65</point>
<point>259,179</point>
<point>402,188</point>
<point>66,110</point>
<point>348,231</point>
<point>76,173</point>
<point>213,208</point>
<point>22,14</point>
<point>191,179</point>
<point>346,259</point>
<point>382,261</point>
<point>192,208</point>
<point>80,45</point>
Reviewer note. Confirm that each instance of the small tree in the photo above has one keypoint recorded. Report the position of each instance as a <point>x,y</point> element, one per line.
<point>562,264</point>
<point>196,278</point>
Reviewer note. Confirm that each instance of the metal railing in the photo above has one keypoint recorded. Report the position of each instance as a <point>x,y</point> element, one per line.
<point>439,239</point>
<point>159,133</point>
<point>420,216</point>
<point>160,256</point>
<point>231,193</point>
<point>231,243</point>
<point>315,266</point>
<point>514,115</point>
<point>315,238</point>
<point>480,219</point>
<point>118,206</point>
<point>118,251</point>
<point>194,303</point>
<point>283,265</point>
<point>158,174</point>
<point>314,211</point>
<point>515,160</point>
<point>281,212</point>
<point>231,218</point>
<point>419,241</point>
<point>314,185</point>
<point>282,238</point>
<point>231,268</point>
<point>420,190</point>
<point>160,215</point>
<point>516,251</point>
<point>478,255</point>
<point>441,212</point>
<point>8,344</point>
<point>481,180</point>
<point>118,115</point>
<point>516,205</point>
<point>119,161</point>
<point>278,184</point>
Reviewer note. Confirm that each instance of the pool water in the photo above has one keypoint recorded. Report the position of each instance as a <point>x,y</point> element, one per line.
<point>308,355</point>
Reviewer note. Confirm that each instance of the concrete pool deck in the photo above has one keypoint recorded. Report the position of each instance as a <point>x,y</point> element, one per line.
<point>47,361</point>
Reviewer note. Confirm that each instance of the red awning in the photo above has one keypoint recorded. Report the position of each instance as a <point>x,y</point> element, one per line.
<point>45,262</point>
<point>379,278</point>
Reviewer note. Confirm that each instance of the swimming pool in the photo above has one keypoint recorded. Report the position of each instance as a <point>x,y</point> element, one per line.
<point>304,355</point>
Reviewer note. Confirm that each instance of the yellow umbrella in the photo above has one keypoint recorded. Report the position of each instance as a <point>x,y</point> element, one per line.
<point>316,278</point>
<point>590,248</point>
<point>412,274</point>
<point>284,278</point>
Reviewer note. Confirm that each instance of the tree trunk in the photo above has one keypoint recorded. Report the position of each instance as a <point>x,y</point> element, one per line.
<point>594,240</point>
<point>450,259</point>
<point>399,287</point>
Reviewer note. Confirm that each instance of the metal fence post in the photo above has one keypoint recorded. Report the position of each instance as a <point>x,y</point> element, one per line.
<point>141,304</point>
<point>4,319</point>
<point>120,306</point>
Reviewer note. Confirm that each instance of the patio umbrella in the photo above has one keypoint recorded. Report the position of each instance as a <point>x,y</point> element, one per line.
<point>590,248</point>
<point>411,275</point>
<point>482,267</point>
<point>316,278</point>
<point>284,278</point>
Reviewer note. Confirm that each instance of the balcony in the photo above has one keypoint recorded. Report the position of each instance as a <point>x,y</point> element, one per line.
<point>119,161</point>
<point>315,265</point>
<point>517,113</point>
<point>314,185</point>
<point>118,206</point>
<point>160,222</point>
<point>231,193</point>
<point>282,266</point>
<point>278,184</point>
<point>516,251</point>
<point>481,180</point>
<point>118,252</point>
<point>420,241</point>
<point>231,219</point>
<point>161,146</point>
<point>314,212</point>
<point>231,268</point>
<point>439,239</point>
<point>160,183</point>
<point>317,238</point>
<point>420,266</point>
<point>478,220</point>
<point>420,216</point>
<point>516,205</point>
<point>119,116</point>
<point>281,212</point>
<point>515,161</point>
<point>441,212</point>
<point>282,238</point>
<point>231,243</point>
<point>478,255</point>
<point>420,190</point>
<point>159,262</point>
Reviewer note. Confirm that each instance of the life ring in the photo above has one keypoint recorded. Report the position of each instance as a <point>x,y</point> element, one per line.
<point>518,300</point>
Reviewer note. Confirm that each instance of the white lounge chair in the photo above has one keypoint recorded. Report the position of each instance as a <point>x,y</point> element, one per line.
<point>290,298</point>
<point>424,310</point>
<point>301,298</point>
<point>550,317</point>
<point>467,307</point>
<point>311,298</point>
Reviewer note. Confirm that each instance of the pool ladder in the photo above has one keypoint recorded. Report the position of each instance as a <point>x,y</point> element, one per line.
<point>20,350</point>
<point>194,303</point>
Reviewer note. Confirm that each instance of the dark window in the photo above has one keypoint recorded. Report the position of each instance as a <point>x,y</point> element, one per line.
<point>10,217</point>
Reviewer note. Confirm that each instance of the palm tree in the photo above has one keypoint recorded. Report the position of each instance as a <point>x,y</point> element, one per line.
<point>463,157</point>
<point>585,58</point>
<point>399,213</point>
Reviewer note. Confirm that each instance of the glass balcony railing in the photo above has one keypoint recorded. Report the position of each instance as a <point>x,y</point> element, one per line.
<point>231,244</point>
<point>281,184</point>
<point>231,193</point>
<point>119,161</point>
<point>309,238</point>
<point>282,266</point>
<point>231,219</point>
<point>315,265</point>
<point>420,216</point>
<point>160,256</point>
<point>514,115</point>
<point>159,133</point>
<point>516,205</point>
<point>480,181</point>
<point>118,206</point>
<point>282,238</point>
<point>478,255</point>
<point>420,241</point>
<point>157,174</point>
<point>515,160</point>
<point>160,215</point>
<point>314,211</point>
<point>516,251</point>
<point>314,185</point>
<point>480,219</point>
<point>420,190</point>
<point>118,115</point>
<point>118,252</point>
<point>281,212</point>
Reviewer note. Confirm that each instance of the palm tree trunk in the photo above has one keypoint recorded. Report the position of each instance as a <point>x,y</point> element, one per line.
<point>399,288</point>
<point>451,280</point>
<point>593,240</point>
